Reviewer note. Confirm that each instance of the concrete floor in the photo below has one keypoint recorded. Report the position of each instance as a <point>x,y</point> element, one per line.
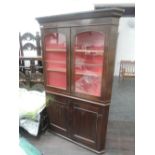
<point>120,132</point>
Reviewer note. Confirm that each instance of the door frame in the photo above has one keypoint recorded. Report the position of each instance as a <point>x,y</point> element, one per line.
<point>66,32</point>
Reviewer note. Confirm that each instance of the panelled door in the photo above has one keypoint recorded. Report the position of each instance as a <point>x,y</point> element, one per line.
<point>84,126</point>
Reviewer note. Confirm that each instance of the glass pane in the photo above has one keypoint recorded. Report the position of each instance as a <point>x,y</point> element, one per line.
<point>55,59</point>
<point>89,50</point>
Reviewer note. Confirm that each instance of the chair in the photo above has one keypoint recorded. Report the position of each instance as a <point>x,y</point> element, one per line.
<point>30,58</point>
<point>127,69</point>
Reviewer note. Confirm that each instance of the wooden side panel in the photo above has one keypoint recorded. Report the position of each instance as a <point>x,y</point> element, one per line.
<point>102,128</point>
<point>110,61</point>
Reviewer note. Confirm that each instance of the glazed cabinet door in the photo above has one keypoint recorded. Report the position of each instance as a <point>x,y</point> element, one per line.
<point>56,48</point>
<point>88,49</point>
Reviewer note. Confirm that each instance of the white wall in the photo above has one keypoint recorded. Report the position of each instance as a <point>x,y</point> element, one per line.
<point>29,10</point>
<point>126,42</point>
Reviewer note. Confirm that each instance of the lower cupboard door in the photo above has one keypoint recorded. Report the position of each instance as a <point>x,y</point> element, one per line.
<point>84,126</point>
<point>57,113</point>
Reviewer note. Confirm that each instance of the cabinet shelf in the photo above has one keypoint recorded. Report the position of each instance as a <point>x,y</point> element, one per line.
<point>86,51</point>
<point>55,62</point>
<point>88,64</point>
<point>55,50</point>
<point>55,87</point>
<point>88,74</point>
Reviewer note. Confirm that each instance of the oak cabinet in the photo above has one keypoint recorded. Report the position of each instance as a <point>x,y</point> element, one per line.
<point>78,58</point>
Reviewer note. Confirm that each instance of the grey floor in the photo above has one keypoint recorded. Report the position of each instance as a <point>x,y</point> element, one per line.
<point>120,132</point>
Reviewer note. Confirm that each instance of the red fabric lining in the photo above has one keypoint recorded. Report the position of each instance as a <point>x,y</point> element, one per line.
<point>56,79</point>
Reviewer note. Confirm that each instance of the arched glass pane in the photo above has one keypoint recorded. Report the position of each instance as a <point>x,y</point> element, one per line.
<point>89,56</point>
<point>55,60</point>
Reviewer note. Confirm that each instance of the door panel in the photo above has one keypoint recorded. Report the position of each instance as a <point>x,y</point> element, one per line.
<point>57,112</point>
<point>56,59</point>
<point>84,124</point>
<point>88,48</point>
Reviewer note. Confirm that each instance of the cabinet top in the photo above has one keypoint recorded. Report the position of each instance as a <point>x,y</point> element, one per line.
<point>108,12</point>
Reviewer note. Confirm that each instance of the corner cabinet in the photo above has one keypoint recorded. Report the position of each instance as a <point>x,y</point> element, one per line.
<point>78,57</point>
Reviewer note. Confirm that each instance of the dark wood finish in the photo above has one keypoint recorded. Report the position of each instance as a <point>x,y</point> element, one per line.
<point>87,116</point>
<point>58,111</point>
<point>129,9</point>
<point>82,22</point>
<point>109,61</point>
<point>110,33</point>
<point>82,118</point>
<point>112,12</point>
<point>79,120</point>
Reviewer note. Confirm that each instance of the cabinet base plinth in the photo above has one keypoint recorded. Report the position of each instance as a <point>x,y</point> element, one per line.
<point>86,147</point>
